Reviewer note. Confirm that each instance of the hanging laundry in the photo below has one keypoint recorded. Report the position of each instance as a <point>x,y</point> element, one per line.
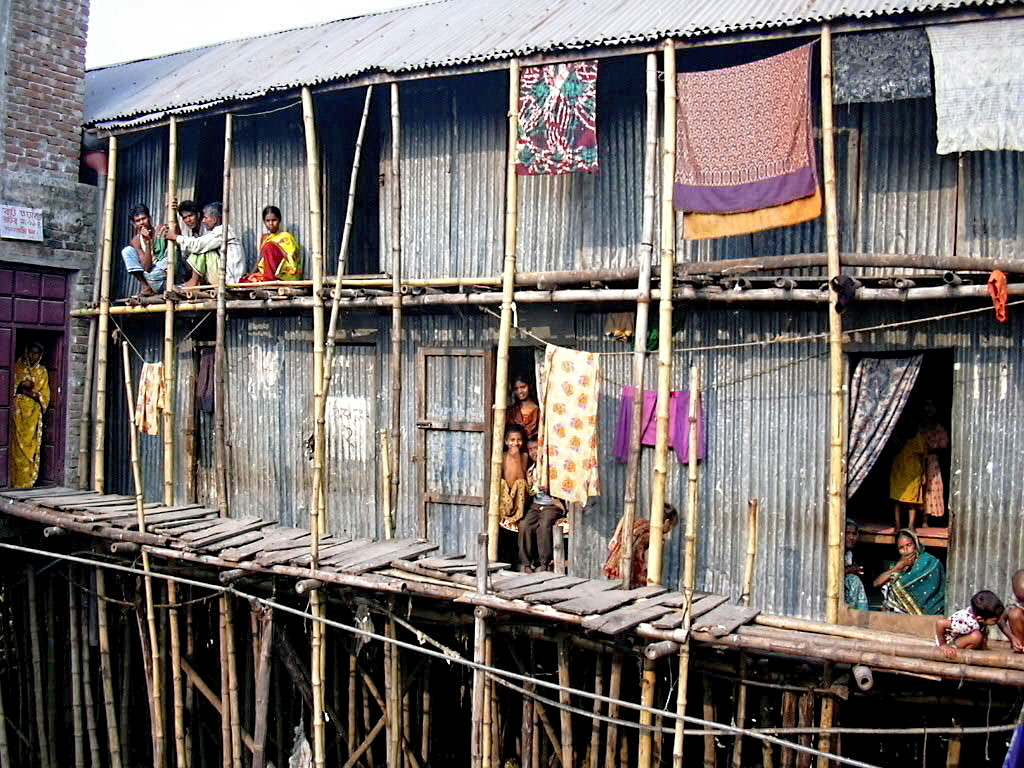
<point>149,402</point>
<point>204,380</point>
<point>567,466</point>
<point>619,326</point>
<point>997,289</point>
<point>979,85</point>
<point>745,138</point>
<point>704,226</point>
<point>557,119</point>
<point>678,424</point>
<point>881,66</point>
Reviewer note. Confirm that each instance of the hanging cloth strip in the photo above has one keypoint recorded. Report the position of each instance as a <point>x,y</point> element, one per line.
<point>745,138</point>
<point>204,380</point>
<point>567,466</point>
<point>678,424</point>
<point>557,119</point>
<point>997,289</point>
<point>149,402</point>
<point>979,85</point>
<point>704,226</point>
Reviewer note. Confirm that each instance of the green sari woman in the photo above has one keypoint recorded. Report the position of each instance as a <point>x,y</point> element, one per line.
<point>916,584</point>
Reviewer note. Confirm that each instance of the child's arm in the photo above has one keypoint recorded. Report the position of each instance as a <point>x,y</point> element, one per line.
<point>1012,625</point>
<point>941,627</point>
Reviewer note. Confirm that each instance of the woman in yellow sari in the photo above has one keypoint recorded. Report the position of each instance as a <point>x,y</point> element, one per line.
<point>31,398</point>
<point>279,252</point>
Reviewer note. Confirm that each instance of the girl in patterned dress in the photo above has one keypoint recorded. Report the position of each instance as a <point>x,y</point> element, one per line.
<point>968,628</point>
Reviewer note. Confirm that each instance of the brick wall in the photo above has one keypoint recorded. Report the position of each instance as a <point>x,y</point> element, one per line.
<point>41,104</point>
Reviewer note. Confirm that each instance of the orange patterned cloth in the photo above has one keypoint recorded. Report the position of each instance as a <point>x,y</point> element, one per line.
<point>997,289</point>
<point>567,443</point>
<point>149,401</point>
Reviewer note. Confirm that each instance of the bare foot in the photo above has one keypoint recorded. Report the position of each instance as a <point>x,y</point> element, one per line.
<point>147,291</point>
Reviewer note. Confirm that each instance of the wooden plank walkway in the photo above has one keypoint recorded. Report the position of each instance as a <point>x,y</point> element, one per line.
<point>599,606</point>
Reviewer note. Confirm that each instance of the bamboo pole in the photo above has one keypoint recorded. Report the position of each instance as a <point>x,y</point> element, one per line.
<point>505,328</point>
<point>51,662</point>
<point>655,554</point>
<point>741,713</point>
<point>789,706</point>
<point>564,683</point>
<point>353,690</point>
<point>87,691</point>
<point>643,308</point>
<point>648,683</point>
<point>479,651</point>
<point>84,465</point>
<point>614,690</point>
<point>595,727</point>
<point>837,453</point>
<point>219,354</point>
<point>5,751</point>
<point>396,300</point>
<point>392,707</point>
<point>103,327</point>
<point>748,586</point>
<point>710,755</point>
<point>767,752</point>
<point>233,699</point>
<point>37,667</point>
<point>156,681</point>
<point>805,719</point>
<point>318,525</point>
<point>225,700</point>
<point>106,673</point>
<point>689,560</point>
<point>828,711</point>
<point>262,693</point>
<point>527,732</point>
<point>78,733</point>
<point>169,361</point>
<point>180,753</point>
<point>487,727</point>
<point>427,717</point>
<point>384,453</point>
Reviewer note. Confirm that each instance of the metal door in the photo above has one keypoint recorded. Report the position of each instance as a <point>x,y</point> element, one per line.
<point>453,418</point>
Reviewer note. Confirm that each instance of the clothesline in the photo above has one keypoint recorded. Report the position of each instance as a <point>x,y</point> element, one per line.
<point>135,349</point>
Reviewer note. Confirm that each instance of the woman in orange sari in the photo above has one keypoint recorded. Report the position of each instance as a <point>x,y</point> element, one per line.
<point>31,399</point>
<point>279,252</point>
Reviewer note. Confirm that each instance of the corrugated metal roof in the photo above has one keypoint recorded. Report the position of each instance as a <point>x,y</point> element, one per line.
<point>444,34</point>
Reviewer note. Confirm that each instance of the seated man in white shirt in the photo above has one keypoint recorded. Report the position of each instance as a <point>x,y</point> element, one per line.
<point>203,251</point>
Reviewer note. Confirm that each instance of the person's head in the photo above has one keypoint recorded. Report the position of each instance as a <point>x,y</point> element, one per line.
<point>907,544</point>
<point>140,217</point>
<point>1017,583</point>
<point>671,518</point>
<point>272,219</point>
<point>34,352</point>
<point>515,437</point>
<point>987,607</point>
<point>212,213</point>
<point>852,531</point>
<point>190,213</point>
<point>532,446</point>
<point>520,388</point>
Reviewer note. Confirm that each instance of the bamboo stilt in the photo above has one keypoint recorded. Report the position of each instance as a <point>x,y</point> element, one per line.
<point>106,673</point>
<point>318,525</point>
<point>84,464</point>
<point>169,430</point>
<point>564,683</point>
<point>353,690</point>
<point>87,693</point>
<point>748,585</point>
<point>837,378</point>
<point>789,707</point>
<point>37,668</point>
<point>648,683</point>
<point>5,751</point>
<point>767,752</point>
<point>126,669</point>
<point>614,690</point>
<point>593,751</point>
<point>479,651</point>
<point>262,693</point>
<point>99,440</point>
<point>505,328</point>
<point>643,308</point>
<point>220,447</point>
<point>825,740</point>
<point>953,752</point>
<point>233,700</point>
<point>180,753</point>
<point>427,720</point>
<point>741,713</point>
<point>77,730</point>
<point>392,708</point>
<point>215,701</point>
<point>51,664</point>
<point>805,719</point>
<point>156,682</point>
<point>225,701</point>
<point>487,732</point>
<point>396,300</point>
<point>526,731</point>
<point>656,551</point>
<point>710,754</point>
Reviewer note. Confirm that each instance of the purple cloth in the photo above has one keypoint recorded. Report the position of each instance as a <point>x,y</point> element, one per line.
<point>678,424</point>
<point>747,197</point>
<point>1015,755</point>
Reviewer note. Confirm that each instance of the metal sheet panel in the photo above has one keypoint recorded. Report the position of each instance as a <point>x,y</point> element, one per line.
<point>995,204</point>
<point>442,35</point>
<point>141,178</point>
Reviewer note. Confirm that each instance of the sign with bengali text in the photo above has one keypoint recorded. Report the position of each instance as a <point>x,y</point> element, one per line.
<point>17,223</point>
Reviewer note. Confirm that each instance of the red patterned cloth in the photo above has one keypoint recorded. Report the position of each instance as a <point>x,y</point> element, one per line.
<point>744,138</point>
<point>557,119</point>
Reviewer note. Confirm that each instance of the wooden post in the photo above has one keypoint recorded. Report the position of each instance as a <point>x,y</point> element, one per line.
<point>837,380</point>
<point>741,713</point>
<point>643,307</point>
<point>828,710</point>
<point>789,701</point>
<point>689,560</point>
<point>767,753</point>
<point>595,726</point>
<point>39,690</point>
<point>479,657</point>
<point>219,353</point>
<point>655,553</point>
<point>90,709</point>
<point>225,700</point>
<point>748,586</point>
<point>77,730</point>
<point>353,690</point>
<point>180,754</point>
<point>396,301</point>
<point>649,680</point>
<point>169,361</point>
<point>156,682</point>
<point>106,673</point>
<point>614,690</point>
<point>236,715</point>
<point>526,732</point>
<point>508,278</point>
<point>487,726</point>
<point>262,693</point>
<point>426,721</point>
<point>564,683</point>
<point>710,755</point>
<point>99,439</point>
<point>805,719</point>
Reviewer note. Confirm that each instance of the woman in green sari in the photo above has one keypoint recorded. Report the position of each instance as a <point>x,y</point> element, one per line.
<point>916,584</point>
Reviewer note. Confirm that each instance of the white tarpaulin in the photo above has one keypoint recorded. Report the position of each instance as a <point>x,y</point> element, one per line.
<point>979,85</point>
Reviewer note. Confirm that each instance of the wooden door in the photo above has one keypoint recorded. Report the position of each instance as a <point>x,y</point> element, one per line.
<point>453,418</point>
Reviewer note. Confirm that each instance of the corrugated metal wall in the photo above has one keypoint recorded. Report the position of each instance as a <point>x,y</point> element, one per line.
<point>141,178</point>
<point>995,204</point>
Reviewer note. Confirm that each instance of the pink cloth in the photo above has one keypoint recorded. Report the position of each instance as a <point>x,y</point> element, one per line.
<point>678,424</point>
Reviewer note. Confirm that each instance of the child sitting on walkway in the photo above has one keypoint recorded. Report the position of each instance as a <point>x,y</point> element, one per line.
<point>1012,621</point>
<point>968,628</point>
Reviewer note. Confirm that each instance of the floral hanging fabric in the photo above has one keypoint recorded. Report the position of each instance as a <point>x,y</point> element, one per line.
<point>557,119</point>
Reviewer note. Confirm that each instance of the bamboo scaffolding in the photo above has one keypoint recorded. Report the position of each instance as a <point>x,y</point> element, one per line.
<point>106,673</point>
<point>87,690</point>
<point>643,307</point>
<point>505,328</point>
<point>180,753</point>
<point>396,300</point>
<point>225,701</point>
<point>103,327</point>
<point>84,465</point>
<point>78,733</point>
<point>156,681</point>
<point>233,698</point>
<point>262,692</point>
<point>837,452</point>
<point>169,361</point>
<point>37,667</point>
<point>220,447</point>
<point>318,525</point>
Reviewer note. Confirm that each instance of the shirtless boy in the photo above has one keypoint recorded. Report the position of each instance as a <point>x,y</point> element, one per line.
<point>1012,622</point>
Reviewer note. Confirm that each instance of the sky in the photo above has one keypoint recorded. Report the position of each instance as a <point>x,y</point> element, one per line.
<point>125,30</point>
